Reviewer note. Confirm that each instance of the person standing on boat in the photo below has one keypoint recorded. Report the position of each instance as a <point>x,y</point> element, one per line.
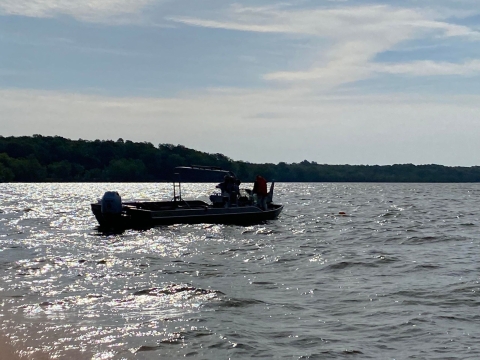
<point>260,189</point>
<point>223,188</point>
<point>236,191</point>
<point>227,188</point>
<point>230,187</point>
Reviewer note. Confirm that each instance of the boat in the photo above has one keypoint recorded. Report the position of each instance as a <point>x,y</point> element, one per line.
<point>239,209</point>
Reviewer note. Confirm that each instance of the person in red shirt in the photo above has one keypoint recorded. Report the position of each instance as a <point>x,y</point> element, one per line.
<point>260,188</point>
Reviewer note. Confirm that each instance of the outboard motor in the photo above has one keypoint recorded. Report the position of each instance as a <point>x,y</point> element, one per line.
<point>111,206</point>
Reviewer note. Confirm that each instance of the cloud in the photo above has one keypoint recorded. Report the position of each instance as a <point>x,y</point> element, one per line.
<point>356,34</point>
<point>264,125</point>
<point>430,68</point>
<point>343,72</point>
<point>339,22</point>
<point>86,10</point>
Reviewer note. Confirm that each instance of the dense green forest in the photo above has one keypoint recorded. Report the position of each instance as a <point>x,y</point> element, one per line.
<point>40,158</point>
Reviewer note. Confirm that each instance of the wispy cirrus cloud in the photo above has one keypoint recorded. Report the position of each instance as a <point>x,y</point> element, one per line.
<point>357,34</point>
<point>350,70</point>
<point>332,22</point>
<point>430,68</point>
<point>90,11</point>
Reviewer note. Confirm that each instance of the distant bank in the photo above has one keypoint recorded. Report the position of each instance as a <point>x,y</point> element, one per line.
<point>40,158</point>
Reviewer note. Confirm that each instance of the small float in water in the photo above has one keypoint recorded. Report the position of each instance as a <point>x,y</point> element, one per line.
<point>237,208</point>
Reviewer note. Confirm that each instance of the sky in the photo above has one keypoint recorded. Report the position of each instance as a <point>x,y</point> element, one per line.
<point>330,81</point>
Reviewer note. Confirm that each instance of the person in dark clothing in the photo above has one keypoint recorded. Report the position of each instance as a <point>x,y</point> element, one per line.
<point>235,192</point>
<point>228,190</point>
<point>221,186</point>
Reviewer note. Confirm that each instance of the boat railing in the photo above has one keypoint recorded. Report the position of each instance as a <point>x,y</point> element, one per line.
<point>177,185</point>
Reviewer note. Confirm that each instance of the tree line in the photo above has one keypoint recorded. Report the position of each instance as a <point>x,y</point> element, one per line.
<point>40,158</point>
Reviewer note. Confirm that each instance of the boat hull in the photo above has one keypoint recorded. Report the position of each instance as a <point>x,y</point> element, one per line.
<point>149,214</point>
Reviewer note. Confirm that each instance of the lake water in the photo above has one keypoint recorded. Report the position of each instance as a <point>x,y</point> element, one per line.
<point>397,277</point>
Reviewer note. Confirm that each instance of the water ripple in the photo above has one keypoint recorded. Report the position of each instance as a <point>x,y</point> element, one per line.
<point>363,271</point>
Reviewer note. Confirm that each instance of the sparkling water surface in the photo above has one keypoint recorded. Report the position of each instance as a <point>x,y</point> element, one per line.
<point>395,277</point>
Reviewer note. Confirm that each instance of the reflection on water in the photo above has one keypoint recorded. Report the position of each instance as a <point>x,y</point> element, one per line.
<point>365,270</point>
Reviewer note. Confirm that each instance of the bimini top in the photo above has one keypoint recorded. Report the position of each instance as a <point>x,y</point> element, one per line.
<point>197,173</point>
